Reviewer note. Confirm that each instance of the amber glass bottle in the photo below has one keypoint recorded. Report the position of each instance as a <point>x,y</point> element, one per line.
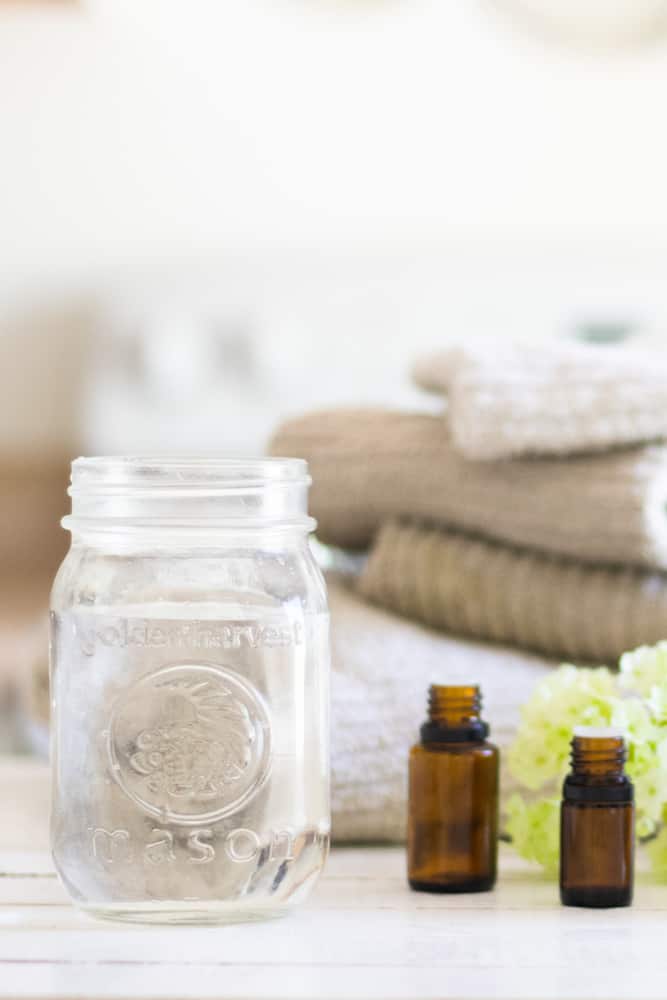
<point>453,797</point>
<point>597,823</point>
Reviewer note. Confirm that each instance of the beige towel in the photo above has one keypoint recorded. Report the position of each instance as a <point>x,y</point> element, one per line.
<point>372,465</point>
<point>382,666</point>
<point>549,398</point>
<point>476,588</point>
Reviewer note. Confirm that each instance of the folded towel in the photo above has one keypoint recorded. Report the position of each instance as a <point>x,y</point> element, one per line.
<point>372,465</point>
<point>490,591</point>
<point>553,398</point>
<point>382,666</point>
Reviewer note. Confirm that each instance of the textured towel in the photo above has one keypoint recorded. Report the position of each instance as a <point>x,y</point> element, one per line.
<point>489,591</point>
<point>371,465</point>
<point>553,398</point>
<point>382,666</point>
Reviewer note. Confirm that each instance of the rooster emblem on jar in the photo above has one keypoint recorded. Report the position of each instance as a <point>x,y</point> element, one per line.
<point>190,743</point>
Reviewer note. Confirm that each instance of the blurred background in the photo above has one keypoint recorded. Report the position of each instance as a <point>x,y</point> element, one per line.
<point>218,214</point>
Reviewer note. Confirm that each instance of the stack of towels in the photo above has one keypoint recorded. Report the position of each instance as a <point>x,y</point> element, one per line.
<point>530,512</point>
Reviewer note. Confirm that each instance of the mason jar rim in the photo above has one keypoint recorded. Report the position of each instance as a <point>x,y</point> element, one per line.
<point>197,470</point>
<point>136,491</point>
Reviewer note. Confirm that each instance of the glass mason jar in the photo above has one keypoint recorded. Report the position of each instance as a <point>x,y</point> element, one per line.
<point>189,686</point>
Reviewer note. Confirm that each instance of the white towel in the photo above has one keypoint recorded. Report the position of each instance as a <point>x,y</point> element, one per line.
<point>549,398</point>
<point>382,666</point>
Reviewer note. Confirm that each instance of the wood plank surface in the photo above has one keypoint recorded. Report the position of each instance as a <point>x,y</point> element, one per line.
<point>362,935</point>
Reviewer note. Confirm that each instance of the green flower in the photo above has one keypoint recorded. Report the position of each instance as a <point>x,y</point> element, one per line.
<point>569,697</point>
<point>534,829</point>
<point>644,671</point>
<point>634,700</point>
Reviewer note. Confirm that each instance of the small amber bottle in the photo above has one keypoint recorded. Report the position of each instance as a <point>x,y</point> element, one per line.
<point>597,823</point>
<point>453,797</point>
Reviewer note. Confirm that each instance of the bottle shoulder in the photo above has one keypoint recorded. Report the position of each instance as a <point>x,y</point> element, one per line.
<point>598,789</point>
<point>480,748</point>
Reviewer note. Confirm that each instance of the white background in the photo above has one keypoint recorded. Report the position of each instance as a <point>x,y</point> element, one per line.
<point>343,182</point>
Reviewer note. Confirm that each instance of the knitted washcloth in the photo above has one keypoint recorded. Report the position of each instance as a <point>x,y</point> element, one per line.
<point>382,666</point>
<point>490,591</point>
<point>372,465</point>
<point>554,398</point>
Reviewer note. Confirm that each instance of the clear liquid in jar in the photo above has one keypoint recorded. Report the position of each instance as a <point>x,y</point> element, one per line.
<point>191,751</point>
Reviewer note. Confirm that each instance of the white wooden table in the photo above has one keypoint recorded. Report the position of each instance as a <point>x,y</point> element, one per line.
<point>363,934</point>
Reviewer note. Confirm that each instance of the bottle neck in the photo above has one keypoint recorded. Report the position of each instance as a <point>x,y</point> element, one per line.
<point>598,758</point>
<point>454,715</point>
